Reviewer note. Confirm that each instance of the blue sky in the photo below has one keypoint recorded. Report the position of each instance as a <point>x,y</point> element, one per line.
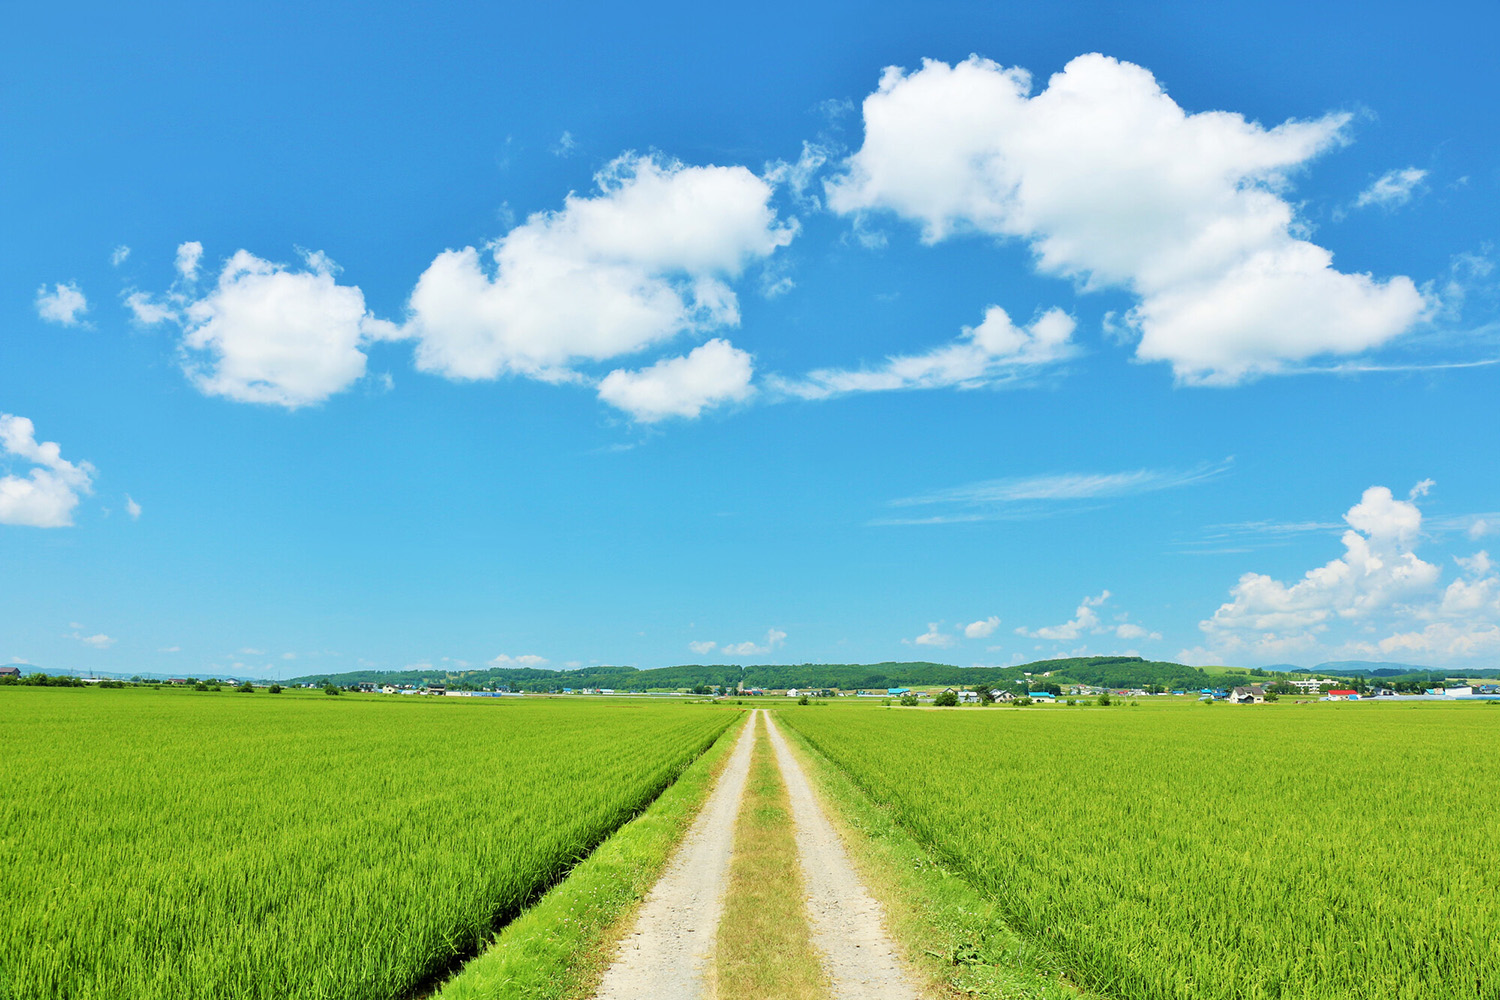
<point>349,337</point>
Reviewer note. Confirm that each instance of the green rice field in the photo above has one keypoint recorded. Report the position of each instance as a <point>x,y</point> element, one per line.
<point>1299,852</point>
<point>174,844</point>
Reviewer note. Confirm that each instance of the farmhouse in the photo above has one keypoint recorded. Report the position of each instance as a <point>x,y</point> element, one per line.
<point>10,671</point>
<point>1343,694</point>
<point>1252,695</point>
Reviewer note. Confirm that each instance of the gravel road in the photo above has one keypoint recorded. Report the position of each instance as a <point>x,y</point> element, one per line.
<point>847,923</point>
<point>667,953</point>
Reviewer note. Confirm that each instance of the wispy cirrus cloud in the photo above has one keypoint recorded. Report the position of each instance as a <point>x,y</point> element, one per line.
<point>1249,536</point>
<point>1025,497</point>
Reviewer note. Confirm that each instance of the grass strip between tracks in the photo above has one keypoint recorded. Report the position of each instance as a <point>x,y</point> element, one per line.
<point>559,948</point>
<point>764,946</point>
<point>951,933</point>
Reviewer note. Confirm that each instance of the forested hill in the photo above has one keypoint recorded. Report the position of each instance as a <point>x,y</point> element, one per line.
<point>1103,671</point>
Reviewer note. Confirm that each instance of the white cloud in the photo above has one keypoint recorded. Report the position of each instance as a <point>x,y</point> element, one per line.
<point>63,305</point>
<point>189,254</point>
<point>1378,599</point>
<point>774,638</point>
<point>44,498</point>
<point>1478,529</point>
<point>993,350</point>
<point>1377,568</point>
<point>799,176</point>
<point>97,641</point>
<point>524,660</point>
<point>119,255</point>
<point>1023,496</point>
<point>1112,184</point>
<point>982,629</point>
<point>267,333</point>
<point>710,375</point>
<point>147,309</point>
<point>1393,189</point>
<point>646,259</point>
<point>703,647</point>
<point>565,144</point>
<point>933,637</point>
<point>132,508</point>
<point>1085,619</point>
<point>170,649</point>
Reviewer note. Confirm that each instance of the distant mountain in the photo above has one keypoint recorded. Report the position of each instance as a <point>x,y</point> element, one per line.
<point>1372,668</point>
<point>1101,671</point>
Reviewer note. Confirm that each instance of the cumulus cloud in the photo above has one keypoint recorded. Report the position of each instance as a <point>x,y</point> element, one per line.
<point>996,349</point>
<point>703,647</point>
<point>1378,599</point>
<point>934,636</point>
<point>46,495</point>
<point>1378,567</point>
<point>524,660</point>
<point>63,305</point>
<point>265,332</point>
<point>647,258</point>
<point>1392,189</point>
<point>774,638</point>
<point>1111,183</point>
<point>710,375</point>
<point>982,629</point>
<point>96,641</point>
<point>1086,621</point>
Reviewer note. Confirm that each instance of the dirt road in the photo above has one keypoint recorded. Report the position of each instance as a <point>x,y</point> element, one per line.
<point>847,923</point>
<point>668,952</point>
<point>666,955</point>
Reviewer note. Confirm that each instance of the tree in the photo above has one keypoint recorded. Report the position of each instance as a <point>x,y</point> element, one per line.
<point>1022,701</point>
<point>246,688</point>
<point>1104,698</point>
<point>946,699</point>
<point>986,694</point>
<point>909,700</point>
<point>274,689</point>
<point>330,689</point>
<point>804,700</point>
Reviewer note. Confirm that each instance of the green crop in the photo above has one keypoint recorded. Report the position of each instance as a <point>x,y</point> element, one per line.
<point>172,844</point>
<point>1305,852</point>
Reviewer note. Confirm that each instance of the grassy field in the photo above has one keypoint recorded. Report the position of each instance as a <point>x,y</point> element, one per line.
<point>178,844</point>
<point>1300,852</point>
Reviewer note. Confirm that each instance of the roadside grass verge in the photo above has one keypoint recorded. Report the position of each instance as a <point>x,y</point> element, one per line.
<point>764,944</point>
<point>954,937</point>
<point>559,948</point>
